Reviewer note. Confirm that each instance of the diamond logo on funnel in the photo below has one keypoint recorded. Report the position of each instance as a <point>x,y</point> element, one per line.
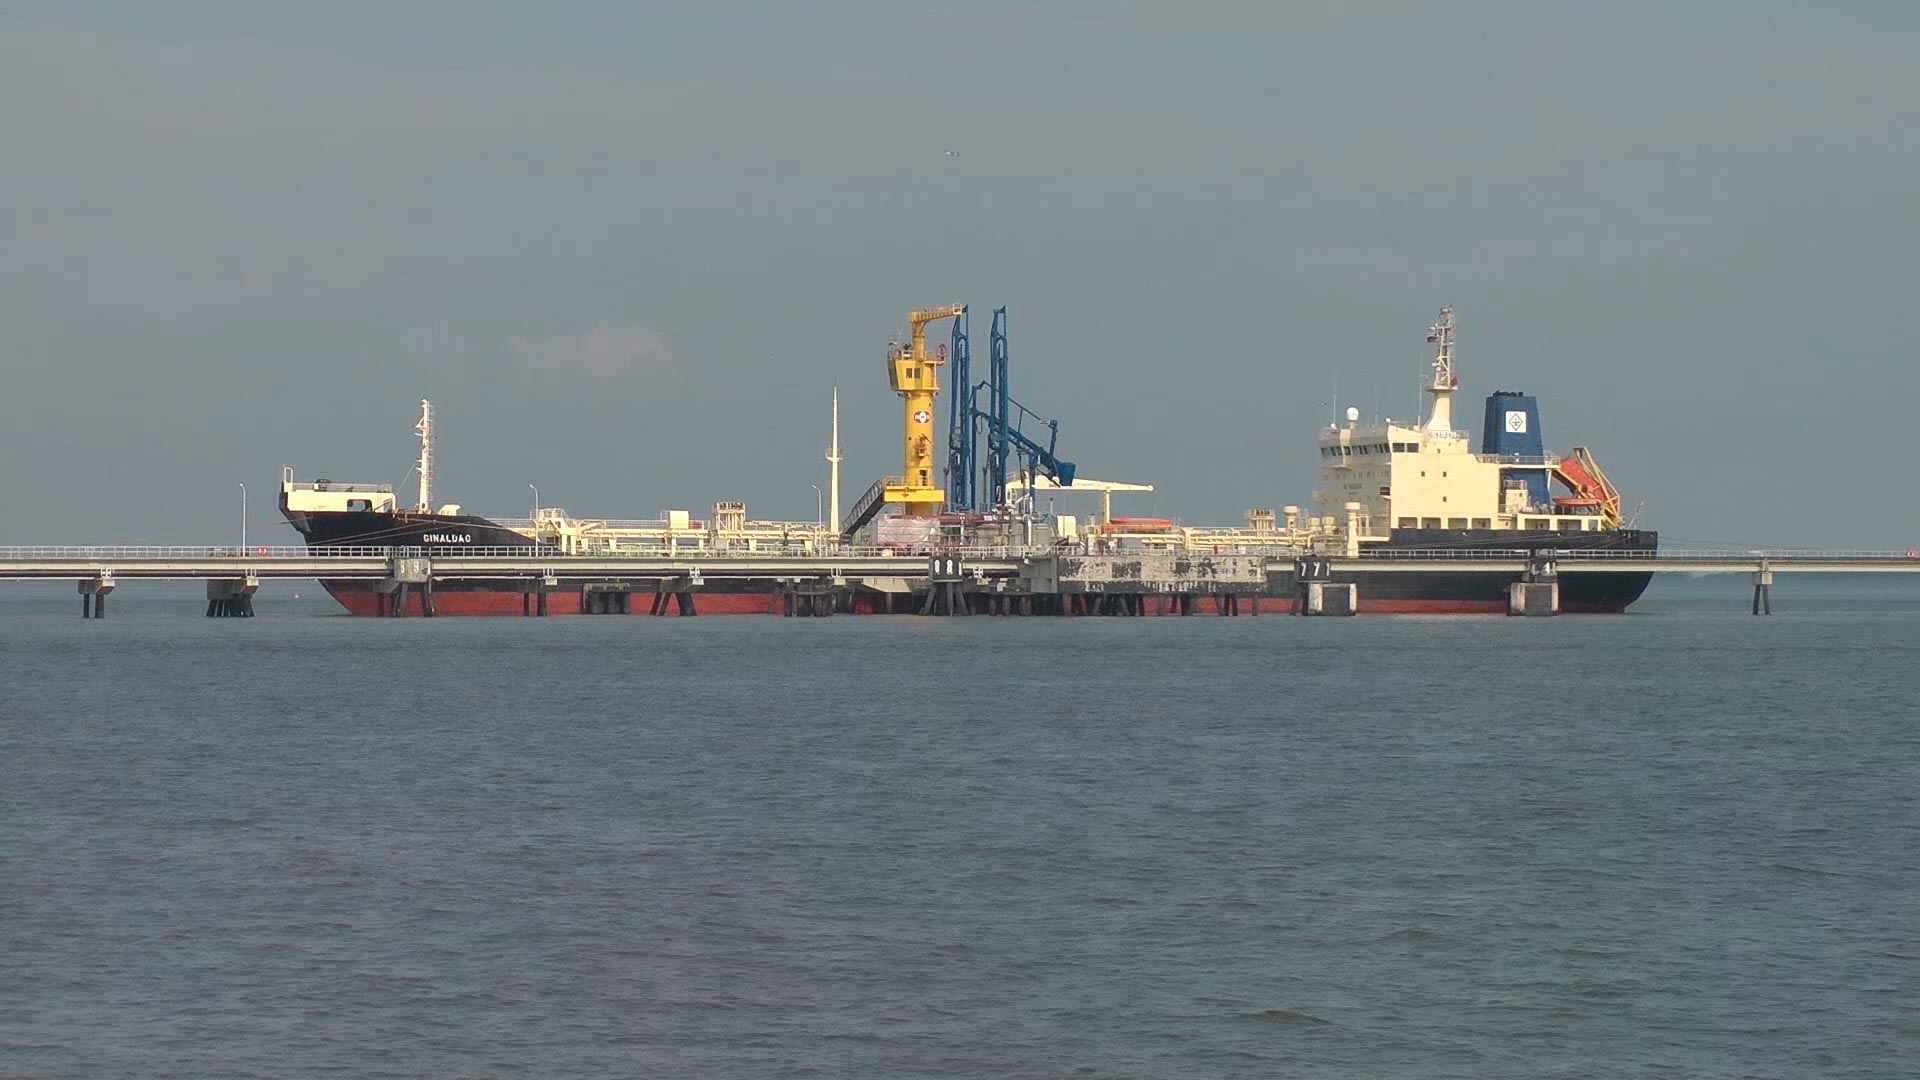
<point>922,416</point>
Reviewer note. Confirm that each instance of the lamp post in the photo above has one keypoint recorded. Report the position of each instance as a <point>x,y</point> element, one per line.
<point>816,505</point>
<point>243,519</point>
<point>536,501</point>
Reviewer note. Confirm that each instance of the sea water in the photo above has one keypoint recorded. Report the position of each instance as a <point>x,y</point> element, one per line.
<point>1682,842</point>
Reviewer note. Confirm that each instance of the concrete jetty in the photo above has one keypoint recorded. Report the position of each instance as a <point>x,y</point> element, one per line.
<point>979,581</point>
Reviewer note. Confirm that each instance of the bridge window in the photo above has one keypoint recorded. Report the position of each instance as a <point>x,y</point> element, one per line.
<point>1409,523</point>
<point>1483,523</point>
<point>1456,523</point>
<point>1429,523</point>
<point>359,504</point>
<point>1570,525</point>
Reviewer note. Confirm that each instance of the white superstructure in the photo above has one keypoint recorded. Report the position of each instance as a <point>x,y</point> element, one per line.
<point>1425,475</point>
<point>327,497</point>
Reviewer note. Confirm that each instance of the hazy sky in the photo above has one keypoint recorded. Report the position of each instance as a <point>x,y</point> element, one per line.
<point>628,248</point>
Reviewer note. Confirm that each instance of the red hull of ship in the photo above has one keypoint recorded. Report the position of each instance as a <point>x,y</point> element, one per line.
<point>361,599</point>
<point>1467,607</point>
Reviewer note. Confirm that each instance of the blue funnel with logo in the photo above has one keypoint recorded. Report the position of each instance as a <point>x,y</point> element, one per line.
<point>1512,432</point>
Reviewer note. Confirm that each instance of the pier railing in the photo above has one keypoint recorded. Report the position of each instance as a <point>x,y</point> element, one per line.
<point>1692,555</point>
<point>798,552</point>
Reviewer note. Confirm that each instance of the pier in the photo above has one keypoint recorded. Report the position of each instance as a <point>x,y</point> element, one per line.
<point>992,581</point>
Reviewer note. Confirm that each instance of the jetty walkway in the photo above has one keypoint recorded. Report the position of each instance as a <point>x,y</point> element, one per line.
<point>945,582</point>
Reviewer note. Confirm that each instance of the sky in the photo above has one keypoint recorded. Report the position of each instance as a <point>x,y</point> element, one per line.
<point>628,250</point>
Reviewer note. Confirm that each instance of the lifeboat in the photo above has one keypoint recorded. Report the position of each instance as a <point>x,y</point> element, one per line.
<point>1137,525</point>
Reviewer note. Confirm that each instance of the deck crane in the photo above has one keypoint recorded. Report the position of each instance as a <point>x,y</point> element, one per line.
<point>1592,491</point>
<point>914,374</point>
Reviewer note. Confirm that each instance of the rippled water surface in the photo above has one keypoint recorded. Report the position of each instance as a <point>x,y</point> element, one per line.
<point>1684,842</point>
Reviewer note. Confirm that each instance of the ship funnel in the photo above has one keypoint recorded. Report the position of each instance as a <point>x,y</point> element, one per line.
<point>1512,432</point>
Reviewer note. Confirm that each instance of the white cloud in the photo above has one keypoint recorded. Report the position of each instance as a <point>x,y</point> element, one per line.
<point>632,357</point>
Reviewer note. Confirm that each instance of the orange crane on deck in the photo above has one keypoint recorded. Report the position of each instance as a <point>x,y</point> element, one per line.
<point>1591,488</point>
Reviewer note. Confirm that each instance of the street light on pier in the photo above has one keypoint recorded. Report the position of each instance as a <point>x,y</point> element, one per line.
<point>243,519</point>
<point>536,501</point>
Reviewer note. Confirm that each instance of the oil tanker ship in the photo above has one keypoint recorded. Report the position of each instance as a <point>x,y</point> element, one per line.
<point>328,514</point>
<point>1419,488</point>
<point>1415,488</point>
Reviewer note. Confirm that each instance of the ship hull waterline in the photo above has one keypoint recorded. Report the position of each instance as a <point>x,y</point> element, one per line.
<point>1463,592</point>
<point>1459,593</point>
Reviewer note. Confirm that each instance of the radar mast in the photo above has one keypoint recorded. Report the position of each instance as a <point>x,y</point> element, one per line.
<point>1443,382</point>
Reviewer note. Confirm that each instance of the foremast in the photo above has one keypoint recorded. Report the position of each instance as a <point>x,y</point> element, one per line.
<point>425,430</point>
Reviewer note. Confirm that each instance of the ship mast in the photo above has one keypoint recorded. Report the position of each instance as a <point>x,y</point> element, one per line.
<point>425,430</point>
<point>1444,382</point>
<point>833,459</point>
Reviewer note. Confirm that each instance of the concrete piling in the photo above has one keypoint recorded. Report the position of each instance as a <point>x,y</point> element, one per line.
<point>93,595</point>
<point>1533,598</point>
<point>1330,598</point>
<point>230,598</point>
<point>1763,592</point>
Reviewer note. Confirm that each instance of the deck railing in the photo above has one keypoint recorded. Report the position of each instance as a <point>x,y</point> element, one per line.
<point>800,553</point>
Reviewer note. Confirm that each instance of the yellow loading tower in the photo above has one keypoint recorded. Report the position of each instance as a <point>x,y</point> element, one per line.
<point>914,374</point>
